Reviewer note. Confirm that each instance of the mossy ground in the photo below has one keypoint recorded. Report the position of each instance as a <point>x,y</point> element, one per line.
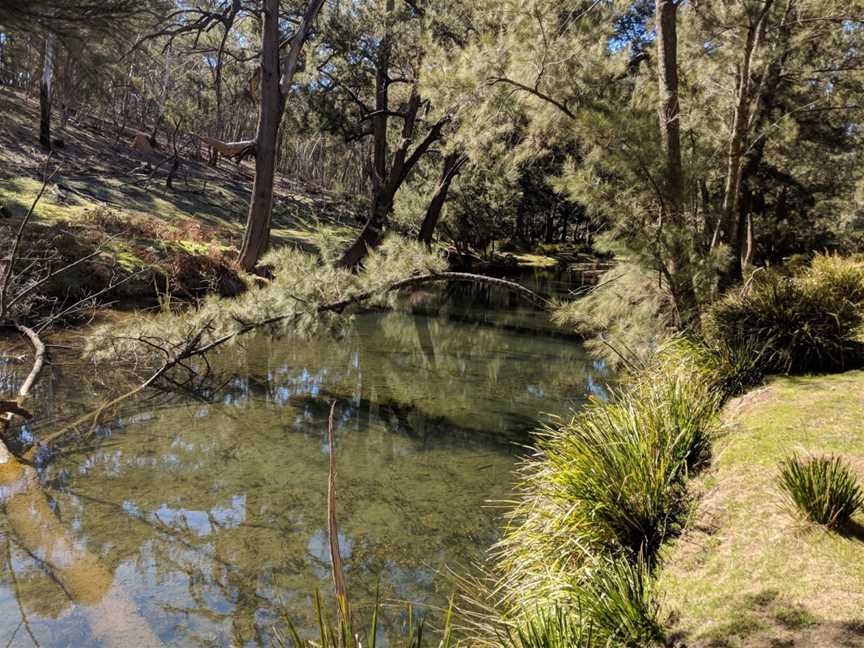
<point>749,572</point>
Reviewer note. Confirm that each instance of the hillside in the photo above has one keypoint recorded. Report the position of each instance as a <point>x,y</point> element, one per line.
<point>105,193</point>
<point>749,573</point>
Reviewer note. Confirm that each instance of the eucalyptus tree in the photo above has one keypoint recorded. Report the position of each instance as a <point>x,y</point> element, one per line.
<point>285,27</point>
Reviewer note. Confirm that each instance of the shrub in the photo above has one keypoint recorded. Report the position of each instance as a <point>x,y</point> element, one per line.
<point>618,604</point>
<point>822,488</point>
<point>810,321</point>
<point>610,481</point>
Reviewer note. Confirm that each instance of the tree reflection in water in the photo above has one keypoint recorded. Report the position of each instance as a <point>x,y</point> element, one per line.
<point>211,515</point>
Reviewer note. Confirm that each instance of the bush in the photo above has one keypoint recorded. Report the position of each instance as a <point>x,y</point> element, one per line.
<point>619,605</point>
<point>611,481</point>
<point>810,321</point>
<point>822,488</point>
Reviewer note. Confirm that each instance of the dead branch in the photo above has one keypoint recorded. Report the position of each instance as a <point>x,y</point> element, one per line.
<point>237,150</point>
<point>16,243</point>
<point>38,361</point>
<point>332,526</point>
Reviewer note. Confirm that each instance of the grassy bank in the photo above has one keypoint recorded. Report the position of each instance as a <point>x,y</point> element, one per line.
<point>611,490</point>
<point>748,572</point>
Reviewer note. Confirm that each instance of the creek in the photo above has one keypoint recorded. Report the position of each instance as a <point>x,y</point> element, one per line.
<point>209,510</point>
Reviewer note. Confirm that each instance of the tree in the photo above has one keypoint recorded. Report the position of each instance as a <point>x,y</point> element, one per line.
<point>393,59</point>
<point>277,75</point>
<point>671,209</point>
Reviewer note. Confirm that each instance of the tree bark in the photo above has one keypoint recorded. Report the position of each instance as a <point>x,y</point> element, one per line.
<point>452,165</point>
<point>276,79</point>
<point>731,229</point>
<point>46,91</point>
<point>257,235</point>
<point>672,214</point>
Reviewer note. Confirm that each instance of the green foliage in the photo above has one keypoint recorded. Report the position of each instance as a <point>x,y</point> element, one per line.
<point>725,370</point>
<point>555,627</point>
<point>620,605</point>
<point>810,321</point>
<point>824,489</point>
<point>609,481</point>
<point>625,317</point>
<point>301,284</point>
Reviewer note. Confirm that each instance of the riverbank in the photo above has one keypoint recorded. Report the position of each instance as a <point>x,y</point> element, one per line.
<point>747,572</point>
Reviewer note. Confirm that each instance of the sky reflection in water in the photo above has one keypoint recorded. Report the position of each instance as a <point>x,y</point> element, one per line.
<point>212,516</point>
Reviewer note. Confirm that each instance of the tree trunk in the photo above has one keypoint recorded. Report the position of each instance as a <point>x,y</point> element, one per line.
<point>382,87</point>
<point>275,85</point>
<point>372,234</point>
<point>752,158</point>
<point>452,164</point>
<point>46,91</point>
<point>732,227</point>
<point>678,265</point>
<point>257,235</point>
<point>385,192</point>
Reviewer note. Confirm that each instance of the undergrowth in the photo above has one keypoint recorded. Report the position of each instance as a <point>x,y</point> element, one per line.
<point>609,486</point>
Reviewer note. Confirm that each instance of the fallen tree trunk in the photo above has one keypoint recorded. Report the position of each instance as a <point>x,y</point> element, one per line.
<point>238,150</point>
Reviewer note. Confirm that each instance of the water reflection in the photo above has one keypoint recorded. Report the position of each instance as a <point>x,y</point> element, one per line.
<point>211,516</point>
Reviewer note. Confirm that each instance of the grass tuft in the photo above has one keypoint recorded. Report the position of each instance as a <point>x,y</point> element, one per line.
<point>619,603</point>
<point>823,489</point>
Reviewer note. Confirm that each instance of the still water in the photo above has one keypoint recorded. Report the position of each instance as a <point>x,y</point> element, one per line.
<point>209,513</point>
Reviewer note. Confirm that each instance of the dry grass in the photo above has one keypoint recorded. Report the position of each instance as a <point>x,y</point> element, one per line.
<point>750,574</point>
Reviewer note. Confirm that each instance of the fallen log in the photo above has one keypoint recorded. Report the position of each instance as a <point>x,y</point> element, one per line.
<point>237,150</point>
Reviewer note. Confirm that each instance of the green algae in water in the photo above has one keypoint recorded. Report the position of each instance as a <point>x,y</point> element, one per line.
<point>212,515</point>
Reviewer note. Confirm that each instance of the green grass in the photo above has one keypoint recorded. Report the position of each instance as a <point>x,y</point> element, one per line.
<point>747,573</point>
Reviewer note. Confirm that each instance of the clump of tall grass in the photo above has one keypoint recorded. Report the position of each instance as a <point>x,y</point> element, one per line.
<point>610,602</point>
<point>809,321</point>
<point>823,489</point>
<point>551,627</point>
<point>726,371</point>
<point>619,604</point>
<point>610,481</point>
